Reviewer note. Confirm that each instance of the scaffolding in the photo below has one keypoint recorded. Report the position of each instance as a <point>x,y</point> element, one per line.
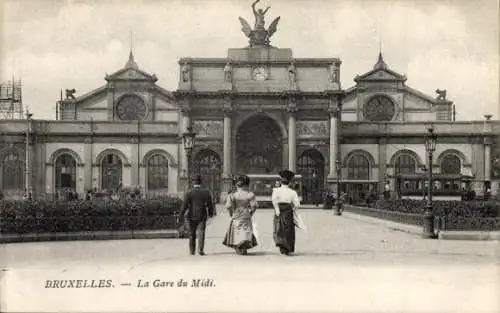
<point>11,100</point>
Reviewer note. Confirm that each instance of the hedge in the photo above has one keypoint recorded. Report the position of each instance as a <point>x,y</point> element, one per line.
<point>45,216</point>
<point>450,209</point>
<point>452,215</point>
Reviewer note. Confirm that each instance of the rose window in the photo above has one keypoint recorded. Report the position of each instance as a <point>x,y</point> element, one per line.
<point>131,108</point>
<point>379,109</point>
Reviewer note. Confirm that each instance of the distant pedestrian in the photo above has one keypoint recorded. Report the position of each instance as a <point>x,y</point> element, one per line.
<point>198,207</point>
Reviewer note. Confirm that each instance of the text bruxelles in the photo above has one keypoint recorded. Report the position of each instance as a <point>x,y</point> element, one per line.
<point>79,283</point>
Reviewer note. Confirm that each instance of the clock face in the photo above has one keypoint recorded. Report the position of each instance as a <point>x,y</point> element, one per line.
<point>131,108</point>
<point>260,73</point>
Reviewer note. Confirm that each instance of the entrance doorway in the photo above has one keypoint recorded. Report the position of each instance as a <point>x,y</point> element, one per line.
<point>311,165</point>
<point>207,164</point>
<point>259,147</point>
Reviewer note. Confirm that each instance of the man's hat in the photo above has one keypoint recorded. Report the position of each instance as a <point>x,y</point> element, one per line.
<point>286,175</point>
<point>197,180</point>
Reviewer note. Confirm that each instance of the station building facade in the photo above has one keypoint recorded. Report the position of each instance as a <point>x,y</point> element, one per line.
<point>255,110</point>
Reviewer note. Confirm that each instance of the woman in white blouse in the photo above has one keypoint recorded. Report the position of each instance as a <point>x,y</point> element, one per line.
<point>285,201</point>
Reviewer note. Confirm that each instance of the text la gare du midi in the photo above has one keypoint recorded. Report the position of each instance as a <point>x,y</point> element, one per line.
<point>158,283</point>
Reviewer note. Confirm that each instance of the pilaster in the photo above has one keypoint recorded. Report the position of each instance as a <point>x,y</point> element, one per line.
<point>111,101</point>
<point>134,159</point>
<point>334,111</point>
<point>382,165</point>
<point>292,133</point>
<point>87,159</point>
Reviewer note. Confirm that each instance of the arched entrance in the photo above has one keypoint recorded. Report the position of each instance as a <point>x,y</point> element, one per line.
<point>259,147</point>
<point>311,165</point>
<point>207,164</point>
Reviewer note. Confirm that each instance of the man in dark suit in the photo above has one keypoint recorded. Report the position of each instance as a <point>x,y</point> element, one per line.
<point>198,207</point>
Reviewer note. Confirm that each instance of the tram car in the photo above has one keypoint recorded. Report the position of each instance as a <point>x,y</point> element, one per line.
<point>262,186</point>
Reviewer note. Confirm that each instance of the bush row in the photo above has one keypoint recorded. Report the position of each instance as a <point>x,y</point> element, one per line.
<point>87,215</point>
<point>83,208</point>
<point>450,209</point>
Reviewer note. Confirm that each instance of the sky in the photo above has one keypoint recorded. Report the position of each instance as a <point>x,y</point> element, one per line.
<point>64,44</point>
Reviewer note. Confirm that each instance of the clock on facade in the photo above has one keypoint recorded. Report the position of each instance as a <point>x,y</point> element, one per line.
<point>379,109</point>
<point>260,73</point>
<point>131,107</point>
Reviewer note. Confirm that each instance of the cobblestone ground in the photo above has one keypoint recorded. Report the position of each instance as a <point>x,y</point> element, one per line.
<point>341,264</point>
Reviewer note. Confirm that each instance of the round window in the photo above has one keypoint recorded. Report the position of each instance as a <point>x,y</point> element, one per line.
<point>131,108</point>
<point>379,109</point>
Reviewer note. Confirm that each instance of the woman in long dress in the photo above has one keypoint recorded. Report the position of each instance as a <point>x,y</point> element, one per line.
<point>285,201</point>
<point>241,206</point>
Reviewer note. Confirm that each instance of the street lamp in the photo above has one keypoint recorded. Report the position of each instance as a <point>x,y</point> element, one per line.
<point>430,146</point>
<point>188,139</point>
<point>338,165</point>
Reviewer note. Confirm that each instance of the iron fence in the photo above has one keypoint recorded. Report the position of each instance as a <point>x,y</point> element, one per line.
<point>399,217</point>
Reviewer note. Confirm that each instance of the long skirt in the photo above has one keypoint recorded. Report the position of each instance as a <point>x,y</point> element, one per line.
<point>284,229</point>
<point>240,233</point>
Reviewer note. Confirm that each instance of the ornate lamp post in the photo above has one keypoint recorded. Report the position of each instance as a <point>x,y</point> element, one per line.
<point>338,165</point>
<point>430,146</point>
<point>188,139</point>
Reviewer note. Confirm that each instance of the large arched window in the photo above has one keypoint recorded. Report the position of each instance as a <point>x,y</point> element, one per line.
<point>157,167</point>
<point>405,168</point>
<point>207,164</point>
<point>65,171</point>
<point>358,167</point>
<point>405,164</point>
<point>311,166</point>
<point>12,171</point>
<point>111,171</point>
<point>450,164</point>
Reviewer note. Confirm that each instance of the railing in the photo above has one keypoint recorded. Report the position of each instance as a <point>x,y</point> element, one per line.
<point>398,217</point>
<point>472,224</point>
<point>441,223</point>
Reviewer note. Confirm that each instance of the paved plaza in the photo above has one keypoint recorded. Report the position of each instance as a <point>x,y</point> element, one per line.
<point>341,263</point>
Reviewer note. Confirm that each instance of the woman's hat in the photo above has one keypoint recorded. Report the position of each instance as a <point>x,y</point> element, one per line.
<point>242,180</point>
<point>286,175</point>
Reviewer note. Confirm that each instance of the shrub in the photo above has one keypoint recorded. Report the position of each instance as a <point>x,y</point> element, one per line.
<point>450,209</point>
<point>40,216</point>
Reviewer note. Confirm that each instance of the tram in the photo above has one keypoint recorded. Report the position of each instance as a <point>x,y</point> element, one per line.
<point>262,186</point>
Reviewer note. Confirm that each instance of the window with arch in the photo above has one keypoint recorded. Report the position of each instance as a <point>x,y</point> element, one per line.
<point>12,171</point>
<point>405,164</point>
<point>311,166</point>
<point>65,171</point>
<point>450,164</point>
<point>405,168</point>
<point>358,167</point>
<point>111,171</point>
<point>157,168</point>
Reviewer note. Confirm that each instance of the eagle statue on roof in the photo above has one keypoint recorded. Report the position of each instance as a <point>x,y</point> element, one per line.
<point>259,35</point>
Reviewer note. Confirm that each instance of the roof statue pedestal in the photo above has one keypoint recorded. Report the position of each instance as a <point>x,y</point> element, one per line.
<point>227,85</point>
<point>333,77</point>
<point>185,83</point>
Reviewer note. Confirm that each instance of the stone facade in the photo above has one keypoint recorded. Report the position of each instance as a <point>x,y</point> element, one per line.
<point>255,111</point>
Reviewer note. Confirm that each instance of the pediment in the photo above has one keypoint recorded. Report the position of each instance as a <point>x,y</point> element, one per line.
<point>131,74</point>
<point>381,75</point>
